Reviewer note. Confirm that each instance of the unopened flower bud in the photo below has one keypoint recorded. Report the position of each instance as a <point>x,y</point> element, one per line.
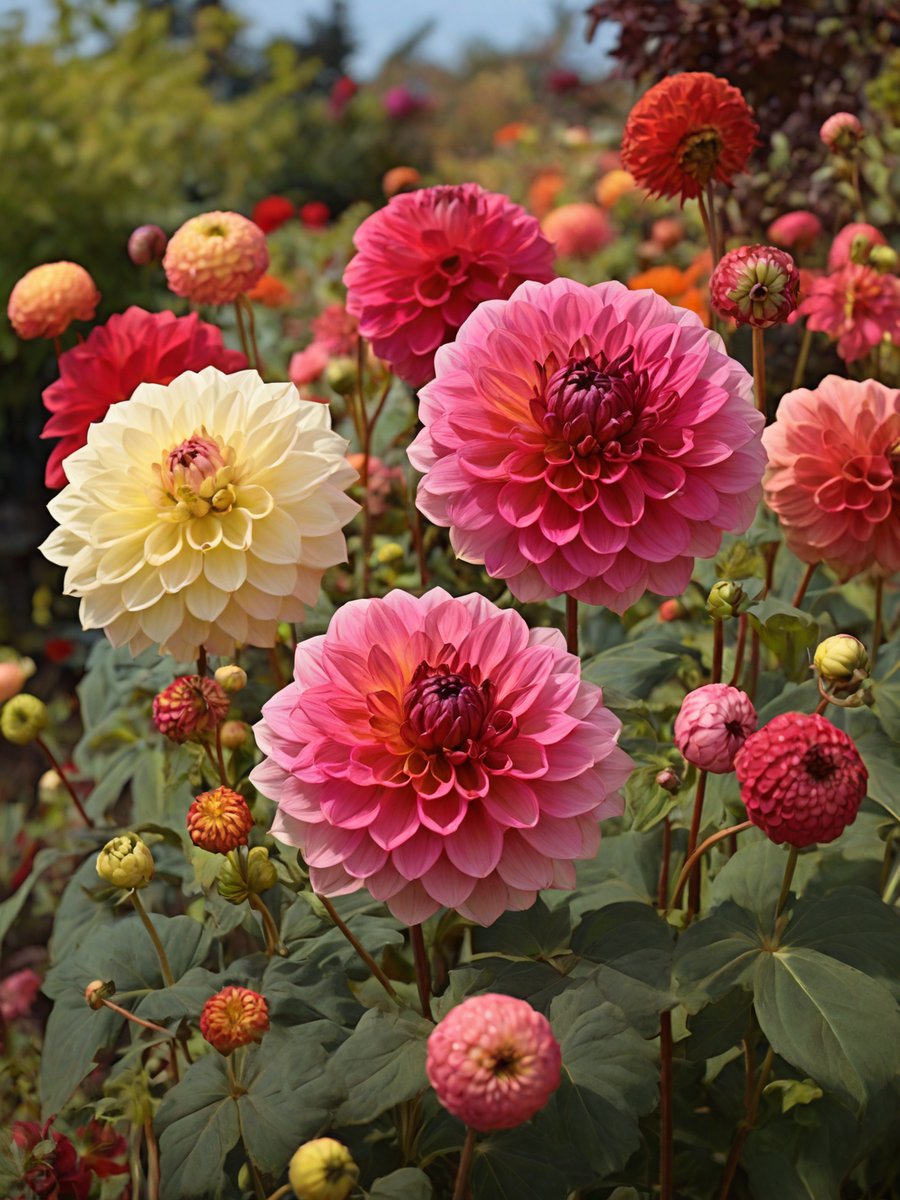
<point>671,610</point>
<point>97,991</point>
<point>126,862</point>
<point>755,285</point>
<point>234,1017</point>
<point>884,259</point>
<point>669,780</point>
<point>231,678</point>
<point>238,880</point>
<point>322,1170</point>
<point>261,871</point>
<point>842,132</point>
<point>219,821</point>
<point>389,553</point>
<point>726,599</point>
<point>189,708</point>
<point>234,734</point>
<point>147,244</point>
<point>50,788</point>
<point>340,374</point>
<point>23,719</point>
<point>841,660</point>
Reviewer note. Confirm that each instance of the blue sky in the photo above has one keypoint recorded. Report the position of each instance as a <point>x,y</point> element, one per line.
<point>382,24</point>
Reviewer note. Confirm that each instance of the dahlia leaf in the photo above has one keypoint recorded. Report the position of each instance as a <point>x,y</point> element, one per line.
<point>803,1161</point>
<point>511,1165</point>
<point>538,932</point>
<point>790,633</point>
<point>406,1184</point>
<point>381,1064</point>
<point>637,667</point>
<point>752,877</point>
<point>198,1125</point>
<point>718,1027</point>
<point>715,955</point>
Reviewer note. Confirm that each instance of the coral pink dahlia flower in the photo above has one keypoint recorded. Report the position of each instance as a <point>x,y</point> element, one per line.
<point>493,1062</point>
<point>834,474</point>
<point>48,298</point>
<point>212,258</point>
<point>427,259</point>
<point>855,306</point>
<point>438,752</point>
<point>589,440</point>
<point>132,348</point>
<point>578,230</point>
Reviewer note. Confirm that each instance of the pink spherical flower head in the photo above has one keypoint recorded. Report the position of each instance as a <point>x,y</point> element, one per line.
<point>438,752</point>
<point>132,348</point>
<point>48,298</point>
<point>493,1062</point>
<point>589,440</point>
<point>755,285</point>
<point>802,780</point>
<point>189,708</point>
<point>856,306</point>
<point>857,238</point>
<point>842,132</point>
<point>212,258</point>
<point>577,230</point>
<point>427,259</point>
<point>834,474</point>
<point>797,230</point>
<point>712,725</point>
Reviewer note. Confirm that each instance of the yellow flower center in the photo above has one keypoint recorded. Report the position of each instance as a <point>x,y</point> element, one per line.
<point>195,478</point>
<point>699,154</point>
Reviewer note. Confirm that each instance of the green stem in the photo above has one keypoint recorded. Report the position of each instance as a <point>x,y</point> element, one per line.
<point>274,944</point>
<point>804,584</point>
<point>747,1124</point>
<point>242,332</point>
<point>739,649</point>
<point>802,359</point>
<point>251,321</point>
<point>759,370</point>
<point>358,947</point>
<point>152,1161</point>
<point>465,1165</point>
<point>167,975</point>
<point>789,868</point>
<point>220,757</point>
<point>879,618</point>
<point>713,838</point>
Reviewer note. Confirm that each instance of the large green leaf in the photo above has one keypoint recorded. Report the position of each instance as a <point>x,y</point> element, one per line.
<point>718,1027</point>
<point>633,946</point>
<point>13,905</point>
<point>790,633</point>
<point>536,982</point>
<point>636,667</point>
<point>714,955</point>
<point>853,925</point>
<point>829,1020</point>
<point>791,1160</point>
<point>406,1184</point>
<point>752,877</point>
<point>515,1165</point>
<point>538,932</point>
<point>198,1124</point>
<point>381,1063</point>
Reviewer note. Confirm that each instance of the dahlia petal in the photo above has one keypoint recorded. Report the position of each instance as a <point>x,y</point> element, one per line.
<point>477,846</point>
<point>522,866</point>
<point>412,904</point>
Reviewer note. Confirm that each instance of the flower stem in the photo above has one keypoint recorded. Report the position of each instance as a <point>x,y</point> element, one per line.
<point>666,1126</point>
<point>759,370</point>
<point>716,246</point>
<point>804,584</point>
<point>465,1165</point>
<point>572,625</point>
<point>287,1190</point>
<point>251,321</point>
<point>662,890</point>
<point>130,1016</point>
<point>789,868</point>
<point>746,1125</point>
<point>167,975</point>
<point>152,1161</point>
<point>718,651</point>
<point>358,947</point>
<point>802,359</point>
<point>721,834</point>
<point>708,227</point>
<point>739,650</point>
<point>822,705</point>
<point>418,530</point>
<point>274,944</point>
<point>368,426</point>
<point>202,662</point>
<point>220,758</point>
<point>423,970</point>
<point>66,782</point>
<point>693,837</point>
<point>241,330</point>
<point>879,618</point>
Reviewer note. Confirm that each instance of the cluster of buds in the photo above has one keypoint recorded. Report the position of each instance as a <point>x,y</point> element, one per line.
<point>240,878</point>
<point>841,664</point>
<point>126,862</point>
<point>727,599</point>
<point>189,708</point>
<point>23,718</point>
<point>322,1169</point>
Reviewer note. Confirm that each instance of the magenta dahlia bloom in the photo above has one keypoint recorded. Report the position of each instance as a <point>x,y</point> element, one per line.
<point>438,752</point>
<point>427,259</point>
<point>713,723</point>
<point>493,1062</point>
<point>802,779</point>
<point>589,440</point>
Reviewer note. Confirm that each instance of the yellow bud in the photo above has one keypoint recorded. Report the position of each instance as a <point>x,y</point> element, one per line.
<point>231,678</point>
<point>126,862</point>
<point>23,719</point>
<point>322,1170</point>
<point>389,553</point>
<point>841,660</point>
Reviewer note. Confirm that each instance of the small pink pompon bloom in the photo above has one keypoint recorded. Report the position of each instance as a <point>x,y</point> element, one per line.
<point>755,285</point>
<point>857,235</point>
<point>589,440</point>
<point>493,1062</point>
<point>215,257</point>
<point>712,725</point>
<point>427,259</point>
<point>833,474</point>
<point>578,230</point>
<point>307,365</point>
<point>795,230</point>
<point>842,131</point>
<point>48,298</point>
<point>802,780</point>
<point>438,752</point>
<point>856,306</point>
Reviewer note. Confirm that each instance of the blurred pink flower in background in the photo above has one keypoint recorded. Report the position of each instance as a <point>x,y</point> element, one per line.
<point>577,230</point>
<point>18,993</point>
<point>841,247</point>
<point>856,306</point>
<point>797,230</point>
<point>307,365</point>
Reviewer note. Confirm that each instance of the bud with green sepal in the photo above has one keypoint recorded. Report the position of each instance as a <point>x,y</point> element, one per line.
<point>726,599</point>
<point>23,719</point>
<point>126,862</point>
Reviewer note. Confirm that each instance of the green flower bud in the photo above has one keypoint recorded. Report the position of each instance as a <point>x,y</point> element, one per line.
<point>231,678</point>
<point>322,1170</point>
<point>340,374</point>
<point>23,719</point>
<point>389,553</point>
<point>841,660</point>
<point>126,862</point>
<point>884,259</point>
<point>239,878</point>
<point>726,599</point>
<point>234,734</point>
<point>261,871</point>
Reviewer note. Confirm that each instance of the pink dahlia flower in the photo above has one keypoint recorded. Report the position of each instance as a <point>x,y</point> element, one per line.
<point>427,259</point>
<point>306,366</point>
<point>842,131</point>
<point>438,752</point>
<point>493,1062</point>
<point>132,348</point>
<point>336,330</point>
<point>834,474</point>
<point>859,233</point>
<point>712,725</point>
<point>795,230</point>
<point>802,780</point>
<point>589,440</point>
<point>856,307</point>
<point>577,230</point>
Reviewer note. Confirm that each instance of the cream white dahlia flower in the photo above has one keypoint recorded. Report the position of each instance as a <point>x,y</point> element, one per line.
<point>202,513</point>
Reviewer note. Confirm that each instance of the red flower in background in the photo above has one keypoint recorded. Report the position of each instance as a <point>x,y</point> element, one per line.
<point>272,212</point>
<point>102,1150</point>
<point>342,92</point>
<point>57,1173</point>
<point>315,214</point>
<point>685,131</point>
<point>133,347</point>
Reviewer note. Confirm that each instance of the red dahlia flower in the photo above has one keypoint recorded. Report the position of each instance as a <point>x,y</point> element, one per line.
<point>272,212</point>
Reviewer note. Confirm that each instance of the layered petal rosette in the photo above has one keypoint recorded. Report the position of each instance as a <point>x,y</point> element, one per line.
<point>438,752</point>
<point>202,513</point>
<point>589,440</point>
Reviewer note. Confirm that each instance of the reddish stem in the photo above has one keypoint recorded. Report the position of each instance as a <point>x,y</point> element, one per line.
<point>572,625</point>
<point>65,780</point>
<point>666,1129</point>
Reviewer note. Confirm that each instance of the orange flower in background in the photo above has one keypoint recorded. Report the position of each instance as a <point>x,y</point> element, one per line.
<point>613,186</point>
<point>687,131</point>
<point>577,230</point>
<point>544,190</point>
<point>678,287</point>
<point>509,135</point>
<point>400,179</point>
<point>234,1017</point>
<point>48,298</point>
<point>271,292</point>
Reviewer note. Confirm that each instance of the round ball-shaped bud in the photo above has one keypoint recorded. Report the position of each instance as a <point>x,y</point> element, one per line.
<point>493,1062</point>
<point>713,724</point>
<point>147,244</point>
<point>219,821</point>
<point>884,259</point>
<point>796,230</point>
<point>23,718</point>
<point>400,179</point>
<point>50,788</point>
<point>669,780</point>
<point>126,862</point>
<point>340,374</point>
<point>234,734</point>
<point>802,780</point>
<point>235,1016</point>
<point>841,660</point>
<point>97,991</point>
<point>755,285</point>
<point>842,132</point>
<point>231,881</point>
<point>215,257</point>
<point>189,708</point>
<point>47,299</point>
<point>726,599</point>
<point>261,871</point>
<point>322,1170</point>
<point>671,610</point>
<point>666,232</point>
<point>231,678</point>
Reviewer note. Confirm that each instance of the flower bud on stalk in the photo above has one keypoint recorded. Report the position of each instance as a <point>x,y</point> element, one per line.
<point>322,1170</point>
<point>231,678</point>
<point>23,719</point>
<point>726,599</point>
<point>239,880</point>
<point>126,862</point>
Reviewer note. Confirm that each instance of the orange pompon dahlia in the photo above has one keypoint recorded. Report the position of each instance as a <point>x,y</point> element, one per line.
<point>219,821</point>
<point>234,1017</point>
<point>48,298</point>
<point>212,258</point>
<point>270,292</point>
<point>687,131</point>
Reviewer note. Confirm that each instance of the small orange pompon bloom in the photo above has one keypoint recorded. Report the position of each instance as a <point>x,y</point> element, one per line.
<point>271,292</point>
<point>219,821</point>
<point>234,1017</point>
<point>47,299</point>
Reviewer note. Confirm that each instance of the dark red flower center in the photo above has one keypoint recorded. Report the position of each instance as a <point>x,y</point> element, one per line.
<point>589,406</point>
<point>444,709</point>
<point>818,762</point>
